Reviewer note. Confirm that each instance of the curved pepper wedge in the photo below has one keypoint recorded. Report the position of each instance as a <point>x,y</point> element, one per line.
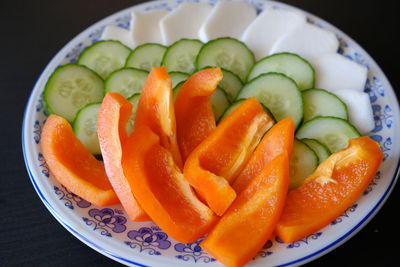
<point>215,163</point>
<point>277,140</point>
<point>113,116</point>
<point>156,110</point>
<point>194,115</point>
<point>164,193</point>
<point>73,165</point>
<point>335,185</point>
<point>249,222</point>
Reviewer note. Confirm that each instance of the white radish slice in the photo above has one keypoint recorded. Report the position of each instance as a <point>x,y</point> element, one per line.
<point>117,34</point>
<point>308,41</point>
<point>336,72</point>
<point>145,26</point>
<point>184,22</point>
<point>269,27</point>
<point>227,19</point>
<point>359,109</point>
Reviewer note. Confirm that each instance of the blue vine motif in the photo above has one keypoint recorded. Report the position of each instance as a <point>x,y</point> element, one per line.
<point>96,226</point>
<point>387,116</point>
<point>385,146</point>
<point>192,251</point>
<point>95,36</point>
<point>376,111</point>
<point>264,253</point>
<point>68,197</point>
<point>37,131</point>
<point>302,241</point>
<point>374,182</point>
<point>145,239</point>
<point>73,55</point>
<point>40,104</point>
<point>345,214</point>
<point>106,219</point>
<point>374,88</point>
<point>124,22</point>
<point>358,58</point>
<point>43,165</point>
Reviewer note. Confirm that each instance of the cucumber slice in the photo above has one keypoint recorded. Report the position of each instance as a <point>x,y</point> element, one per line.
<point>219,103</point>
<point>321,150</point>
<point>177,77</point>
<point>227,53</point>
<point>231,84</point>
<point>146,56</point>
<point>278,93</point>
<point>104,57</point>
<point>175,90</point>
<point>219,100</point>
<point>181,55</point>
<point>230,109</point>
<point>85,127</point>
<point>292,65</point>
<point>134,101</point>
<point>332,132</point>
<point>70,88</point>
<point>302,164</point>
<point>318,102</point>
<point>126,81</point>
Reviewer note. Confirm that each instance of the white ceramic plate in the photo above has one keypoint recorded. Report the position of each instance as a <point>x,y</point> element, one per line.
<point>108,230</point>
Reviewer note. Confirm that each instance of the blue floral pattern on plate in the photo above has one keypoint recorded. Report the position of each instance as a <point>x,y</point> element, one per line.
<point>147,239</point>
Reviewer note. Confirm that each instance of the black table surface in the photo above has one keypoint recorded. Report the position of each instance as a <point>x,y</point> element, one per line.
<point>31,33</point>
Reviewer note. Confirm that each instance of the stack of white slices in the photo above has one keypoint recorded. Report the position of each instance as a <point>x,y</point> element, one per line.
<point>272,31</point>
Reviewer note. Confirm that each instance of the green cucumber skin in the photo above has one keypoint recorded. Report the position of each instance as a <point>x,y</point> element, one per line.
<point>164,60</point>
<point>75,126</point>
<point>107,80</point>
<point>249,78</point>
<point>222,84</point>
<point>47,107</point>
<point>243,79</point>
<point>178,73</point>
<point>306,124</point>
<point>313,142</point>
<point>235,104</point>
<point>344,106</point>
<point>87,50</point>
<point>298,123</point>
<point>128,59</point>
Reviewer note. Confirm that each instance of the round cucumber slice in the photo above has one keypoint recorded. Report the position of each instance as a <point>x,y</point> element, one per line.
<point>332,132</point>
<point>321,150</point>
<point>303,163</point>
<point>321,103</point>
<point>85,127</point>
<point>177,77</point>
<point>70,88</point>
<point>126,81</point>
<point>104,57</point>
<point>134,101</point>
<point>219,103</point>
<point>236,104</point>
<point>278,93</point>
<point>146,56</point>
<point>181,55</point>
<point>227,53</point>
<point>231,84</point>
<point>292,65</point>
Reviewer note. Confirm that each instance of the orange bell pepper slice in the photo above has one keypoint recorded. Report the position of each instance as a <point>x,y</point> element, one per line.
<point>335,185</point>
<point>156,110</point>
<point>194,115</point>
<point>164,193</point>
<point>73,165</point>
<point>277,140</point>
<point>250,221</point>
<point>113,116</point>
<point>214,164</point>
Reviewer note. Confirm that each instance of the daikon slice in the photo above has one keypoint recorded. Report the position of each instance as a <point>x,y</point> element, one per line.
<point>184,22</point>
<point>269,27</point>
<point>227,19</point>
<point>145,26</point>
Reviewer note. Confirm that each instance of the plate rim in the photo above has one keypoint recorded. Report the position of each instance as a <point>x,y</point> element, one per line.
<point>301,260</point>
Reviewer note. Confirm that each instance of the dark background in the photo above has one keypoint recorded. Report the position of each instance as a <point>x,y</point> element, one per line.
<point>31,33</point>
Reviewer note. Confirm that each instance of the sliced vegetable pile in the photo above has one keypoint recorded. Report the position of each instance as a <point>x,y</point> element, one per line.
<point>203,139</point>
